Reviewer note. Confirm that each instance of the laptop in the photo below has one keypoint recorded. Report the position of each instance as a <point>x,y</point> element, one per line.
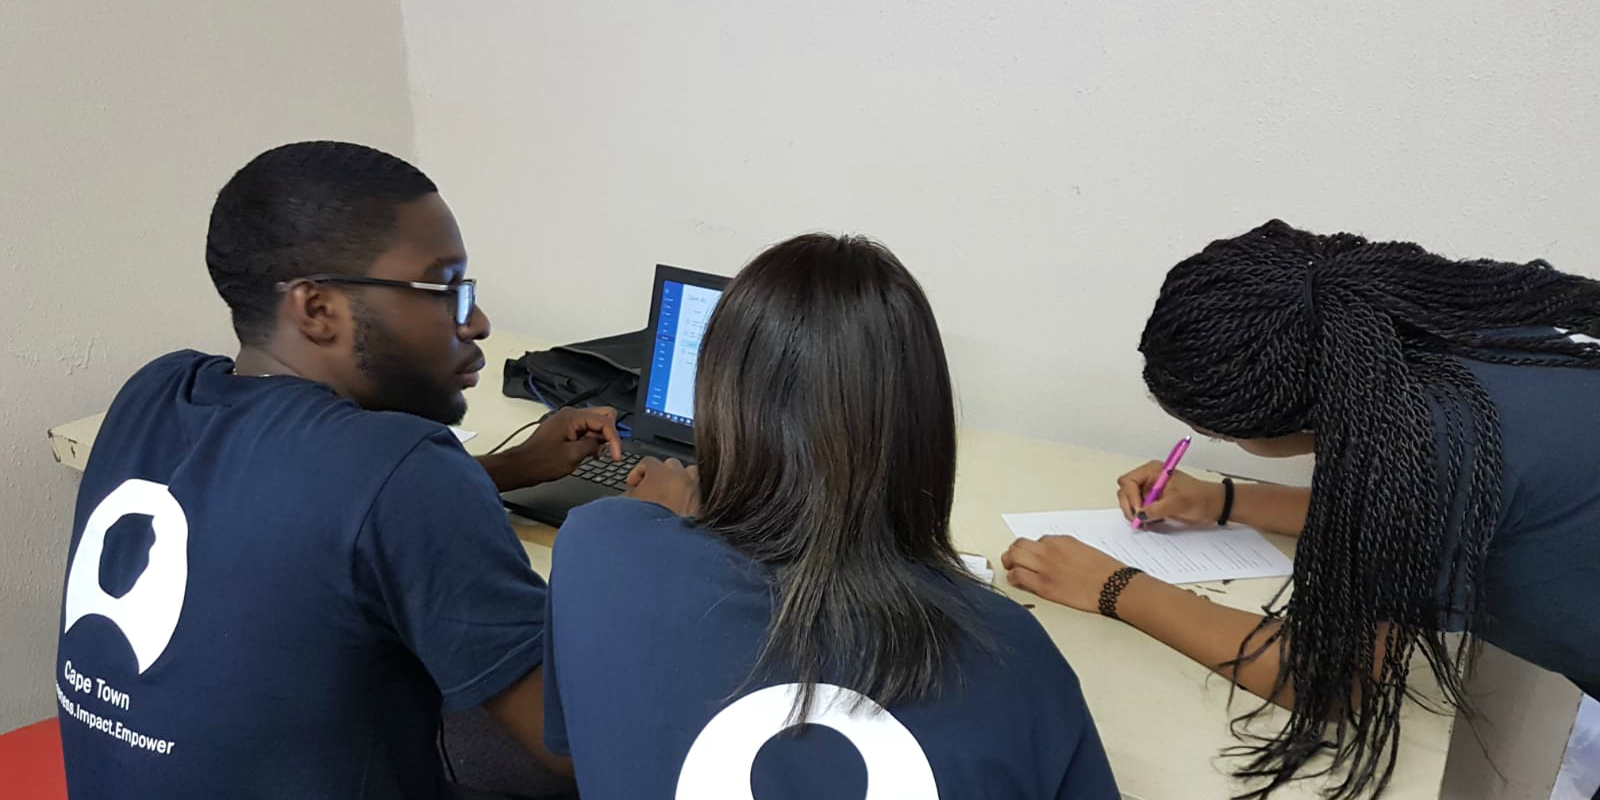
<point>662,422</point>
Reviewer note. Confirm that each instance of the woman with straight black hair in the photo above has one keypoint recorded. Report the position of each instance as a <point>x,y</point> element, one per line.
<point>1451,408</point>
<point>805,574</point>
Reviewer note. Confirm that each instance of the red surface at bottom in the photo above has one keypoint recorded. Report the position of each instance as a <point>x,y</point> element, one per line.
<point>30,763</point>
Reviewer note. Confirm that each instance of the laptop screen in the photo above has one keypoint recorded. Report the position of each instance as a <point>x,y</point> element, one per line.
<point>685,310</point>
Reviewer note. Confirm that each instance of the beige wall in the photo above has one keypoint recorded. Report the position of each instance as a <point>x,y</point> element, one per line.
<point>118,123</point>
<point>1038,164</point>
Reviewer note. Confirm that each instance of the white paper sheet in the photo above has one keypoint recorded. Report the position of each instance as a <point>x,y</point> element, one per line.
<point>463,435</point>
<point>1169,552</point>
<point>978,566</point>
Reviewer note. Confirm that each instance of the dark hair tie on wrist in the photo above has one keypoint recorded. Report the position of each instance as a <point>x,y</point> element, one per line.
<point>1227,501</point>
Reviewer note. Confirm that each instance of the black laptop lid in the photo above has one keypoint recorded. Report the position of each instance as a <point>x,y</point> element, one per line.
<point>680,306</point>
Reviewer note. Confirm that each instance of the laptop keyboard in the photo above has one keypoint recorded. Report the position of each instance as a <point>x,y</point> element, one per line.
<point>606,472</point>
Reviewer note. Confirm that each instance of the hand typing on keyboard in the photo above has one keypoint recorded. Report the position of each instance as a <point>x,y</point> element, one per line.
<point>666,483</point>
<point>563,440</point>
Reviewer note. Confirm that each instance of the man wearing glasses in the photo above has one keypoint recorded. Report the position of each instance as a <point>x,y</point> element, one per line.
<point>283,565</point>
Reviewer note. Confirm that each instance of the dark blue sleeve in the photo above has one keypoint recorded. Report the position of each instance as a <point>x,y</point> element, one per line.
<point>585,544</point>
<point>555,715</point>
<point>1066,728</point>
<point>438,561</point>
<point>1089,771</point>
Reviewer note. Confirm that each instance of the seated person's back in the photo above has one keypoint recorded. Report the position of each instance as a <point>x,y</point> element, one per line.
<point>284,567</point>
<point>813,558</point>
<point>304,538</point>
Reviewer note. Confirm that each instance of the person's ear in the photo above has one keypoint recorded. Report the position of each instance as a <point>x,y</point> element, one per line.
<point>322,316</point>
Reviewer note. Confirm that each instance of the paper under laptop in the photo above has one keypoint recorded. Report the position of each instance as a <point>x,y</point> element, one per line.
<point>1167,551</point>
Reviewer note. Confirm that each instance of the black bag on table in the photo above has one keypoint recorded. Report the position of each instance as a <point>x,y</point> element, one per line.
<point>599,372</point>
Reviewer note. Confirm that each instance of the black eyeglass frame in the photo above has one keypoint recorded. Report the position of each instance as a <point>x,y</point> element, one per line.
<point>466,291</point>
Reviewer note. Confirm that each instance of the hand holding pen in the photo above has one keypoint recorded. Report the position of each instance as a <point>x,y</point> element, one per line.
<point>1157,491</point>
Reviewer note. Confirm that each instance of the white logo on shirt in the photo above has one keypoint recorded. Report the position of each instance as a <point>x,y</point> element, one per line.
<point>148,613</point>
<point>719,762</point>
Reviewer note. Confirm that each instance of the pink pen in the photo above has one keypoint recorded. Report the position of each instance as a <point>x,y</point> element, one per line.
<point>1161,480</point>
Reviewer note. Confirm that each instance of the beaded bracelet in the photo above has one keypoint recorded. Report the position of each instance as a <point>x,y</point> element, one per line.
<point>1113,589</point>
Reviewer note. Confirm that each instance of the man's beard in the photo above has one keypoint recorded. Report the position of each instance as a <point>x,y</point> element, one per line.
<point>400,382</point>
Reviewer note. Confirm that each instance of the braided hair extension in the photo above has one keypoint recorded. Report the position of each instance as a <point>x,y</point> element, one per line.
<point>301,209</point>
<point>1279,331</point>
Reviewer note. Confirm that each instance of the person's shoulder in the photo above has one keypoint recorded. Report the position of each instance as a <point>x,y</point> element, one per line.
<point>425,439</point>
<point>330,421</point>
<point>620,519</point>
<point>425,455</point>
<point>1541,409</point>
<point>1501,370</point>
<point>181,361</point>
<point>331,434</point>
<point>148,397</point>
<point>172,369</point>
<point>1026,649</point>
<point>622,531</point>
<point>1020,676</point>
<point>997,610</point>
<point>432,497</point>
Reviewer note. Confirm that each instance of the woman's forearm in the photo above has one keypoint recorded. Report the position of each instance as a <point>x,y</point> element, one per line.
<point>1274,509</point>
<point>1206,632</point>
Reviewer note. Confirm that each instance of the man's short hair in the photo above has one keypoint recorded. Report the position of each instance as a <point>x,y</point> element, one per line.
<point>302,209</point>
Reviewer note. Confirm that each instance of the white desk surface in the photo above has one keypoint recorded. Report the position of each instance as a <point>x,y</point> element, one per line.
<point>1163,718</point>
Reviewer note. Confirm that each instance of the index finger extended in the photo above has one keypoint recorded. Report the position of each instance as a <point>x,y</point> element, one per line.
<point>602,421</point>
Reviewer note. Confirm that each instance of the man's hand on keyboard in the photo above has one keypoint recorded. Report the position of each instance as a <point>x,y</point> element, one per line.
<point>556,447</point>
<point>667,483</point>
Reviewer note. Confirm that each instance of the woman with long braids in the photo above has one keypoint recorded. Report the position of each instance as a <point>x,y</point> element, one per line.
<point>1452,410</point>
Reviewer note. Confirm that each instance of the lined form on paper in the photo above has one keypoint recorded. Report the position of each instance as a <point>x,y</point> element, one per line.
<point>1172,553</point>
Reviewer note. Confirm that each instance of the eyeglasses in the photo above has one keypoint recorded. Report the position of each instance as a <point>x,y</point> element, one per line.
<point>466,291</point>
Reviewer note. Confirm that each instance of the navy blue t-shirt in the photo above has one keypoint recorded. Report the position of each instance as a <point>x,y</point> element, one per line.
<point>272,592</point>
<point>1542,572</point>
<point>654,626</point>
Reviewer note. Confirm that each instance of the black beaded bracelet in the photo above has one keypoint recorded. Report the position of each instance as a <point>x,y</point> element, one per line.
<point>1113,589</point>
<point>1227,501</point>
